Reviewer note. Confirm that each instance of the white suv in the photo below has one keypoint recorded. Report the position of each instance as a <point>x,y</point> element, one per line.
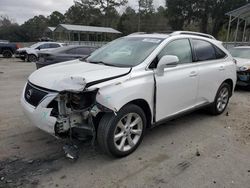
<point>132,83</point>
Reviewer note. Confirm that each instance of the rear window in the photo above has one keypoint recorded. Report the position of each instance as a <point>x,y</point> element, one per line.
<point>203,50</point>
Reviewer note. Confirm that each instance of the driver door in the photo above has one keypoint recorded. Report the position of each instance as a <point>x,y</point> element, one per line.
<point>176,89</point>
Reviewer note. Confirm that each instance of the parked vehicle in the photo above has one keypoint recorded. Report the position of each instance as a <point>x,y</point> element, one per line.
<point>242,56</point>
<point>31,53</point>
<point>8,49</point>
<point>63,54</point>
<point>128,85</point>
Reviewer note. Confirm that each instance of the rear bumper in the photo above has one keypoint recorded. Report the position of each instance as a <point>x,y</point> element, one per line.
<point>40,115</point>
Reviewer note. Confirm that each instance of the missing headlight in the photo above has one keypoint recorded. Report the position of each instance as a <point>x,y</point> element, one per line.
<point>83,100</point>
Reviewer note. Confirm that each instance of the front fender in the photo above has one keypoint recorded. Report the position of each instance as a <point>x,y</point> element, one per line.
<point>117,94</point>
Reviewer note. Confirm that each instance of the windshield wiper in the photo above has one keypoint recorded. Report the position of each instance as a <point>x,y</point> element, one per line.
<point>101,63</point>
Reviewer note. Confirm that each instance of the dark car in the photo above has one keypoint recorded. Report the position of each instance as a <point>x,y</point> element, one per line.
<point>8,49</point>
<point>63,54</point>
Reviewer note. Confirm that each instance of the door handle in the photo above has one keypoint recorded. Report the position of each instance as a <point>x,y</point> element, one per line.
<point>193,74</point>
<point>221,68</point>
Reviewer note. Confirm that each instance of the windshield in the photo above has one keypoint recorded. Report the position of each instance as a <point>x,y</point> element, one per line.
<point>35,45</point>
<point>125,52</point>
<point>240,52</point>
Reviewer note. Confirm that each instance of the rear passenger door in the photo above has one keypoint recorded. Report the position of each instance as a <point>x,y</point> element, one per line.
<point>211,66</point>
<point>176,90</point>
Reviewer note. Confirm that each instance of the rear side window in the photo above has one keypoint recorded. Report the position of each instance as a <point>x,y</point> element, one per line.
<point>203,50</point>
<point>180,48</point>
<point>219,53</point>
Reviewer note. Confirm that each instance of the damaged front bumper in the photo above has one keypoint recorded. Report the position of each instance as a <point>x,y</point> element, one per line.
<point>243,78</point>
<point>61,113</point>
<point>40,116</point>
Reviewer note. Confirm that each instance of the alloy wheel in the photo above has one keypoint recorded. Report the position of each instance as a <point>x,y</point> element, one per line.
<point>222,99</point>
<point>128,132</point>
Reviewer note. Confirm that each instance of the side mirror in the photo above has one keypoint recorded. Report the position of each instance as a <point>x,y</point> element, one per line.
<point>166,61</point>
<point>38,48</point>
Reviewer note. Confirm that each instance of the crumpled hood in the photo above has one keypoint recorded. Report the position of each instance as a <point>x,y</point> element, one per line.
<point>241,62</point>
<point>73,75</point>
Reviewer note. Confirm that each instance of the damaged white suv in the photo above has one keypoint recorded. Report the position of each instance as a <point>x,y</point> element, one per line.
<point>133,83</point>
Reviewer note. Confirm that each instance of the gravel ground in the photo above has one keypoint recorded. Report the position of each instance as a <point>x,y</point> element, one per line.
<point>196,150</point>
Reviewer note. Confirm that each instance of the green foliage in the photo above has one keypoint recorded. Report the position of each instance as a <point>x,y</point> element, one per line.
<point>182,13</point>
<point>55,19</point>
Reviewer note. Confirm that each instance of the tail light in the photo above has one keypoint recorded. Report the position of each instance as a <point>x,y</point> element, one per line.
<point>18,46</point>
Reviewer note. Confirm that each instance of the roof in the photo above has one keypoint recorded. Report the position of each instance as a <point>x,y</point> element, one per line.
<point>242,12</point>
<point>50,29</point>
<point>84,28</point>
<point>242,47</point>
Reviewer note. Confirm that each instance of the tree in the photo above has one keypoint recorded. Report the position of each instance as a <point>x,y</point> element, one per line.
<point>107,7</point>
<point>55,19</point>
<point>5,21</point>
<point>34,28</point>
<point>207,13</point>
<point>146,6</point>
<point>128,21</point>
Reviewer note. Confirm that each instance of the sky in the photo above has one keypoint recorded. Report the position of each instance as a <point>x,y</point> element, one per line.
<point>21,10</point>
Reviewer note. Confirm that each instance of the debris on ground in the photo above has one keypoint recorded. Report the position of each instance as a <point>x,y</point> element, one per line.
<point>197,153</point>
<point>71,151</point>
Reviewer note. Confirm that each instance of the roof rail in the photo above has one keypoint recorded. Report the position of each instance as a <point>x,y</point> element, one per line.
<point>192,33</point>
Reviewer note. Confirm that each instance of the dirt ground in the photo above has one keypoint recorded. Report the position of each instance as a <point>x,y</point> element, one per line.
<point>197,150</point>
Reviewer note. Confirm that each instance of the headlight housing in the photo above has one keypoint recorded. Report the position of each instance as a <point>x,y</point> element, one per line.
<point>83,100</point>
<point>244,68</point>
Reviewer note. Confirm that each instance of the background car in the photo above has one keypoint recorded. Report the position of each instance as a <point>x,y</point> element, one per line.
<point>8,49</point>
<point>31,53</point>
<point>242,56</point>
<point>63,54</point>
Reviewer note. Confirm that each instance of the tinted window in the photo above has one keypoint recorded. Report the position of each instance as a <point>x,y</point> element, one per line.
<point>180,48</point>
<point>71,51</point>
<point>83,51</point>
<point>43,46</point>
<point>54,45</point>
<point>204,50</point>
<point>219,53</point>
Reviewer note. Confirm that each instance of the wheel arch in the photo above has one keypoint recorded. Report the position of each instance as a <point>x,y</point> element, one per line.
<point>143,104</point>
<point>230,82</point>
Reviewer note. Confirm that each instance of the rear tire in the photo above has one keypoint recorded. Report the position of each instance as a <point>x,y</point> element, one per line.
<point>32,58</point>
<point>119,135</point>
<point>221,99</point>
<point>7,53</point>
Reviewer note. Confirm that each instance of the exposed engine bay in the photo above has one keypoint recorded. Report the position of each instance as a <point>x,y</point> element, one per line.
<point>76,113</point>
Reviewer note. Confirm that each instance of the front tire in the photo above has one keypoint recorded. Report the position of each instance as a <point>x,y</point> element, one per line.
<point>32,58</point>
<point>119,135</point>
<point>221,100</point>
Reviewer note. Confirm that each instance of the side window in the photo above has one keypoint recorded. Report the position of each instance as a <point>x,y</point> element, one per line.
<point>82,51</point>
<point>203,50</point>
<point>180,48</point>
<point>219,53</point>
<point>44,46</point>
<point>71,51</point>
<point>53,45</point>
